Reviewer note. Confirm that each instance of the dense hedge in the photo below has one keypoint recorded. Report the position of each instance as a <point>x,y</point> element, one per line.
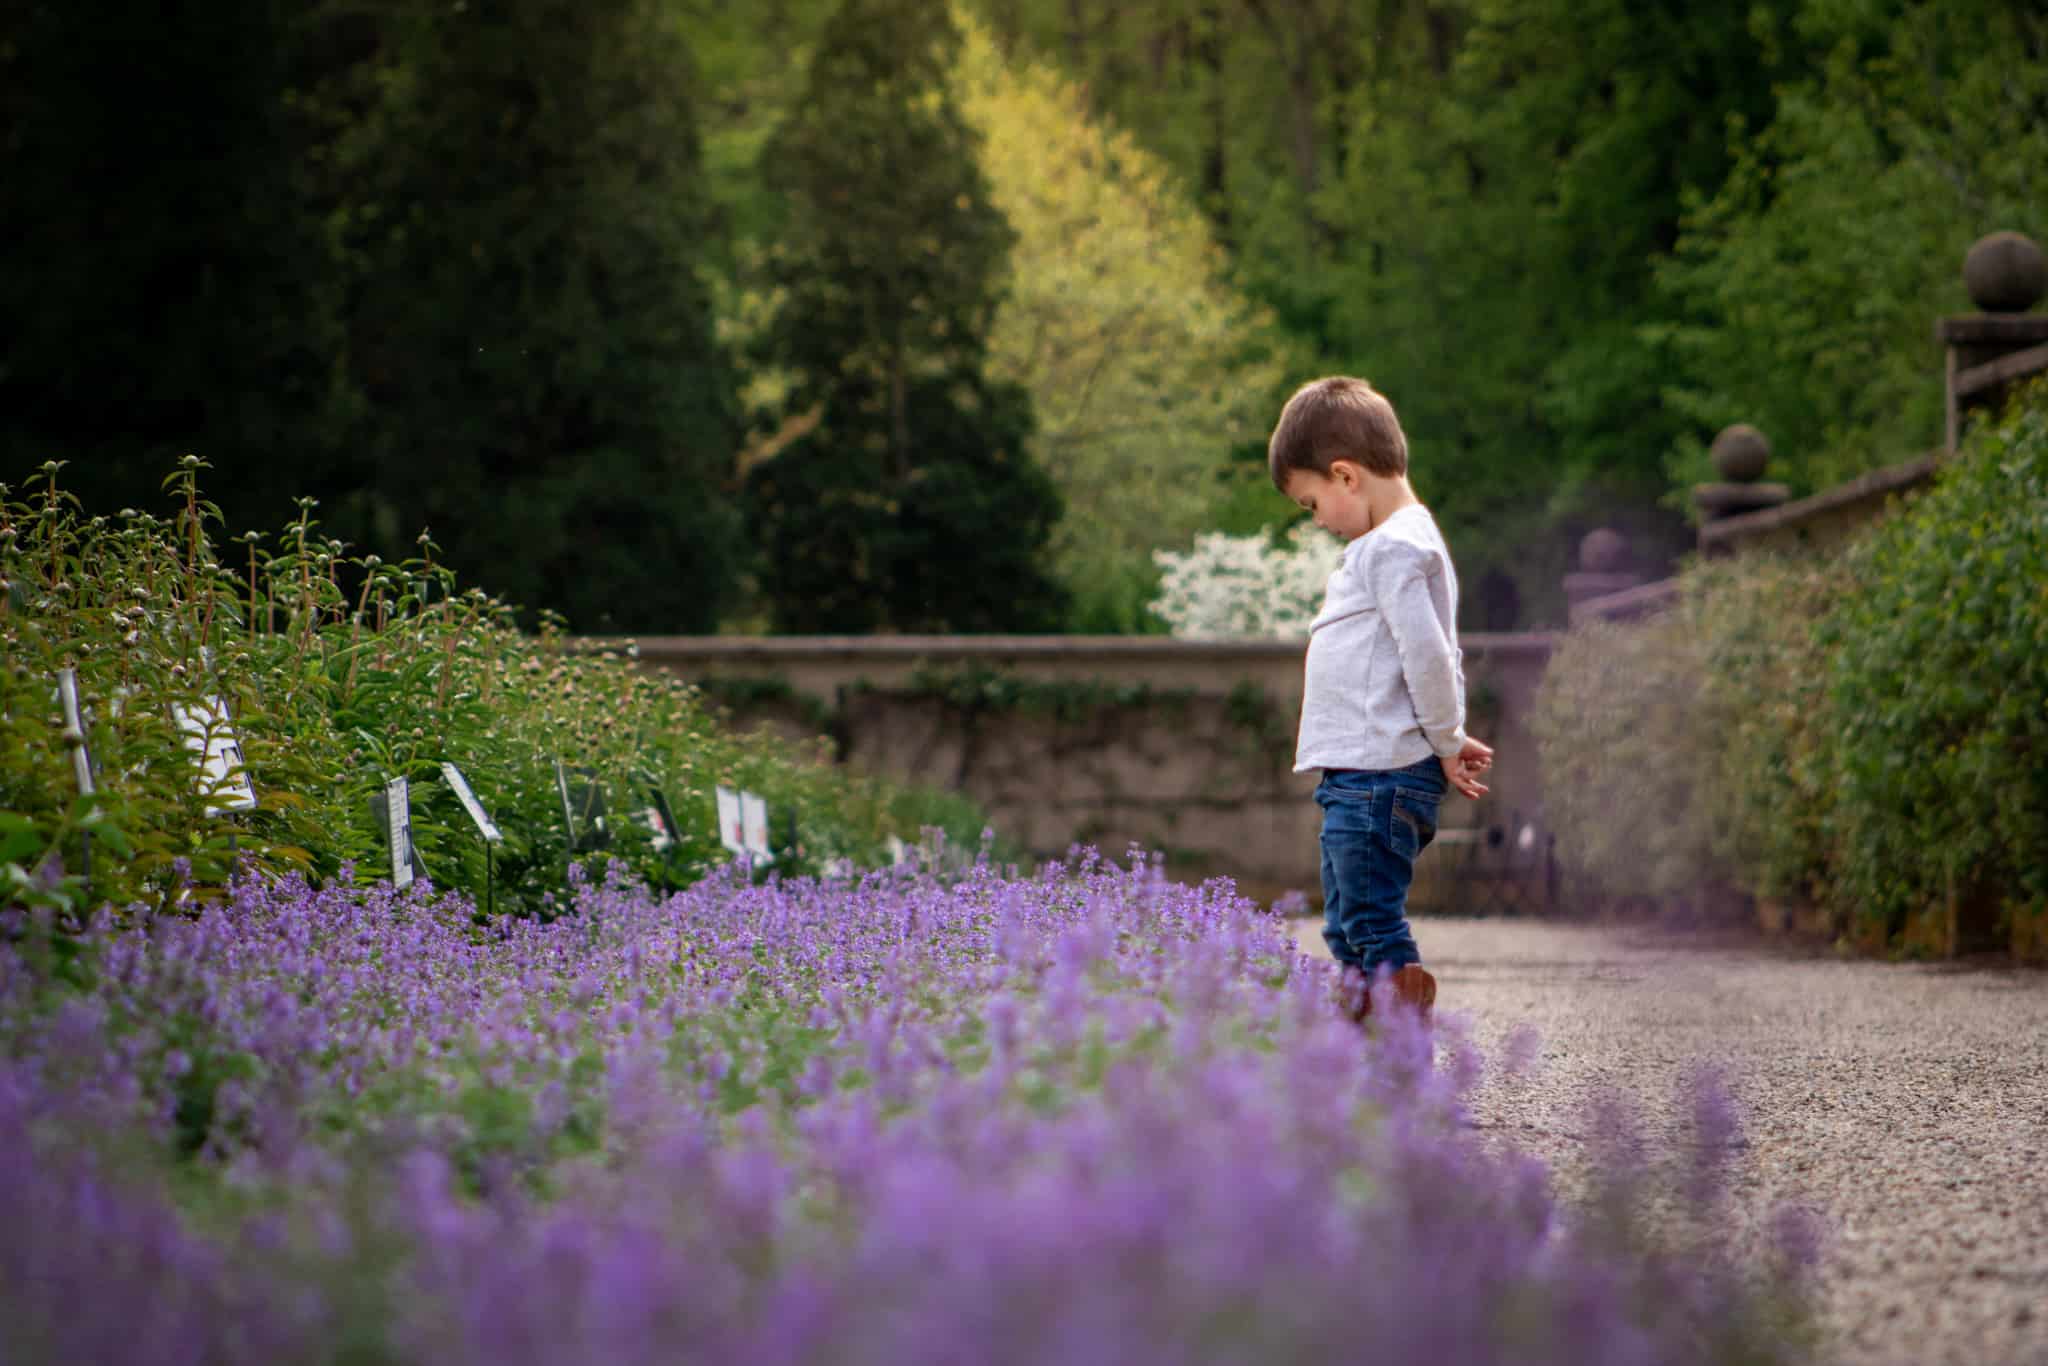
<point>1867,732</point>
<point>1938,690</point>
<point>340,673</point>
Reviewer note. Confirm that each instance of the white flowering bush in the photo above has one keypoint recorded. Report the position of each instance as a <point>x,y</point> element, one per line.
<point>1259,585</point>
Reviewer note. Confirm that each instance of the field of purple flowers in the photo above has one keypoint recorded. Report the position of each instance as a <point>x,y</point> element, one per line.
<point>1085,1116</point>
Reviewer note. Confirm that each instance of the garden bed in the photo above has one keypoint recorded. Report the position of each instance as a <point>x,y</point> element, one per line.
<point>1088,1115</point>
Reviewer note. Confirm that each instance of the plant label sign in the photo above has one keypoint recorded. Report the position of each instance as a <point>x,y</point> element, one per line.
<point>398,831</point>
<point>731,832</point>
<point>562,791</point>
<point>74,731</point>
<point>583,809</point>
<point>223,779</point>
<point>453,777</point>
<point>586,795</point>
<point>754,827</point>
<point>661,820</point>
<point>899,852</point>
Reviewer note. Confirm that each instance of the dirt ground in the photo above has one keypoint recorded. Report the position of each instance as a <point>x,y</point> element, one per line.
<point>1907,1103</point>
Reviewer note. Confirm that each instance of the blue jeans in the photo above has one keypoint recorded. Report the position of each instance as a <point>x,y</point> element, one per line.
<point>1375,823</point>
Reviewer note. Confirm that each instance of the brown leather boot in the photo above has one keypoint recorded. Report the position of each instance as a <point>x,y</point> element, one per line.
<point>1354,997</point>
<point>1415,987</point>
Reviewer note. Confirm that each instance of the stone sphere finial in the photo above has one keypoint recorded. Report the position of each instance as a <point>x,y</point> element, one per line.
<point>2005,273</point>
<point>1604,551</point>
<point>1740,453</point>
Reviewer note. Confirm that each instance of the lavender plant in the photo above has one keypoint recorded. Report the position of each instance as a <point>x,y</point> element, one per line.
<point>1087,1115</point>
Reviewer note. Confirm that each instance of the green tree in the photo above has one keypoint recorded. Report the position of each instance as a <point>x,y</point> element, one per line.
<point>1144,367</point>
<point>165,287</point>
<point>1804,289</point>
<point>901,492</point>
<point>521,198</point>
<point>1245,102</point>
<point>1463,200</point>
<point>1502,225</point>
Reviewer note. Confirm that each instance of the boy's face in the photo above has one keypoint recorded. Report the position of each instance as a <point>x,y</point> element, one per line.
<point>1337,500</point>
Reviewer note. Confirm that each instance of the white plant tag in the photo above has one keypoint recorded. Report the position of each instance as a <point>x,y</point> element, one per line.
<point>754,827</point>
<point>210,736</point>
<point>899,852</point>
<point>730,833</point>
<point>467,797</point>
<point>661,843</point>
<point>398,830</point>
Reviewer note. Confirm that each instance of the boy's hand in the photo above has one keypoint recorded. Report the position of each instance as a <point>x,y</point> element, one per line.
<point>1463,769</point>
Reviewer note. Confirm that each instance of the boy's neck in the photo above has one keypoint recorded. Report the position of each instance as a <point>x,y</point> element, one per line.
<point>1385,496</point>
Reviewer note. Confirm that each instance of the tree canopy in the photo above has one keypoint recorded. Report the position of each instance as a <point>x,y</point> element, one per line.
<point>908,497</point>
<point>1144,365</point>
<point>681,315</point>
<point>435,267</point>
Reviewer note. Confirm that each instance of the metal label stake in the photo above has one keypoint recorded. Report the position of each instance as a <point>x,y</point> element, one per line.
<point>484,826</point>
<point>81,758</point>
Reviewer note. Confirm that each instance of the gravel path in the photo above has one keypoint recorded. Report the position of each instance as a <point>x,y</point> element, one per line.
<point>1908,1103</point>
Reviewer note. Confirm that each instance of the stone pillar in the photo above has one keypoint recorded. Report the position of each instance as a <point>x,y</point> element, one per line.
<point>1604,567</point>
<point>1987,351</point>
<point>1740,454</point>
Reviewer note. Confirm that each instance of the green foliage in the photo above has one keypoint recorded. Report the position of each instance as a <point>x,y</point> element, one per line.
<point>167,284</point>
<point>1863,732</point>
<point>910,500</point>
<point>331,695</point>
<point>1806,286</point>
<point>522,213</point>
<point>431,264</point>
<point>515,270</point>
<point>1681,754</point>
<point>1614,720</point>
<point>1573,241</point>
<point>977,689</point>
<point>1771,789</point>
<point>1530,209</point>
<point>1463,203</point>
<point>1938,694</point>
<point>1145,368</point>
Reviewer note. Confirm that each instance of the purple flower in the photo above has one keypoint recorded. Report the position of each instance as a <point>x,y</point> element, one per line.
<point>1087,1115</point>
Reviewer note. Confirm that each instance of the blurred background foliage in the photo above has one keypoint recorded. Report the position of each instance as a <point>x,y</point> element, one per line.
<point>678,315</point>
<point>1860,731</point>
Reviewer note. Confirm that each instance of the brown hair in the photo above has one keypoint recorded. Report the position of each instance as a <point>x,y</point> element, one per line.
<point>1336,418</point>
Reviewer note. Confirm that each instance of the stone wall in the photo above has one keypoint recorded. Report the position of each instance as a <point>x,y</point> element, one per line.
<point>1182,746</point>
<point>1824,522</point>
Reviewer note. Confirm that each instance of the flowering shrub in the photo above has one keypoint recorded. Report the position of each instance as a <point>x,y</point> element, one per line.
<point>341,673</point>
<point>1246,585</point>
<point>1086,1116</point>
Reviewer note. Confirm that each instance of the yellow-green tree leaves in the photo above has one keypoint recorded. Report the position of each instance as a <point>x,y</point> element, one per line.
<point>1144,366</point>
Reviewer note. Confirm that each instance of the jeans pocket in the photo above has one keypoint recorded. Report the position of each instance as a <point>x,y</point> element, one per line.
<point>1412,821</point>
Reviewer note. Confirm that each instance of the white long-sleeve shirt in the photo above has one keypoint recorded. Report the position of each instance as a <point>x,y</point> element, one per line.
<point>1384,683</point>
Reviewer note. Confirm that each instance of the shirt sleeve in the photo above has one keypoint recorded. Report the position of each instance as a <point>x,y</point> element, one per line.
<point>1429,661</point>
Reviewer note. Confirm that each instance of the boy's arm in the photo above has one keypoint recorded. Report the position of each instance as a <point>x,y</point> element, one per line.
<point>1429,662</point>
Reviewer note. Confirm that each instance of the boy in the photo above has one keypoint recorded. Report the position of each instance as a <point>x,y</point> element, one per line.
<point>1383,698</point>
